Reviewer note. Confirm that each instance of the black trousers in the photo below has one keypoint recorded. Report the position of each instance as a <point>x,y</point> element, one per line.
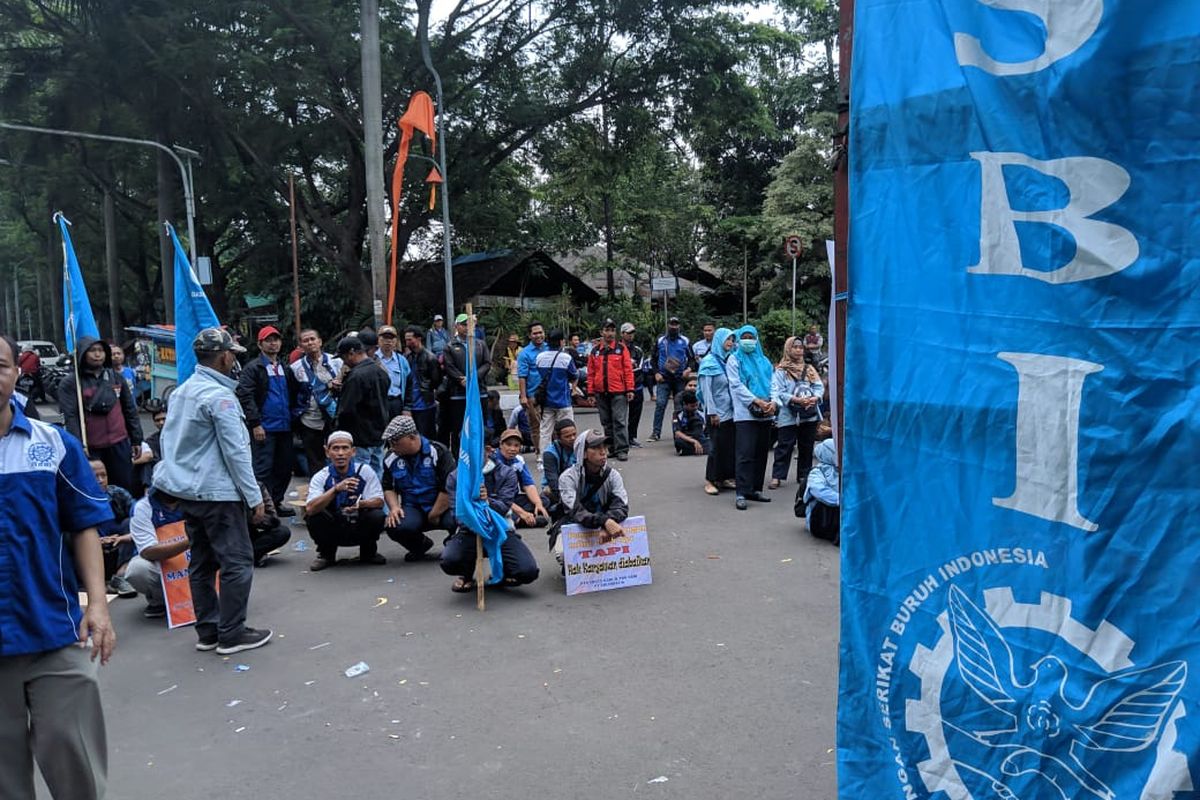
<point>801,436</point>
<point>826,522</point>
<point>330,530</point>
<point>635,411</point>
<point>452,420</point>
<point>269,536</point>
<point>220,541</point>
<point>313,442</point>
<point>426,420</point>
<point>753,444</point>
<point>721,453</point>
<point>273,459</point>
<point>410,533</point>
<point>458,557</point>
<point>118,463</point>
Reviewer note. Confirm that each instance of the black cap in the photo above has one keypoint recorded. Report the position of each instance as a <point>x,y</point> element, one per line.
<point>369,338</point>
<point>608,323</point>
<point>349,344</point>
<point>673,321</point>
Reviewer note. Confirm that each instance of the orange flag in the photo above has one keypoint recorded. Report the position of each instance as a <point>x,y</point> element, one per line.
<point>418,117</point>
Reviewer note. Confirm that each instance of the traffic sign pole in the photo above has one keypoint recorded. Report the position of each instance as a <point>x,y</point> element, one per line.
<point>793,295</point>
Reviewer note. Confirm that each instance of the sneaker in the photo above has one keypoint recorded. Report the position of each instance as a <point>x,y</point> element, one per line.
<point>740,503</point>
<point>622,456</point>
<point>319,563</point>
<point>654,437</point>
<point>283,510</point>
<point>250,639</point>
<point>154,611</point>
<point>206,643</point>
<point>634,443</point>
<point>121,587</point>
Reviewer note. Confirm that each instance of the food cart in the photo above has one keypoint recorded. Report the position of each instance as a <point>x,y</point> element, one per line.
<point>154,364</point>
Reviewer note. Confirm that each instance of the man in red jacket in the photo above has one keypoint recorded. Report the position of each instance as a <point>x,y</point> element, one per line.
<point>610,381</point>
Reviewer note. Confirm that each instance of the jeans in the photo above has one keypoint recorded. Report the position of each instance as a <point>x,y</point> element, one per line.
<point>220,541</point>
<point>801,435</point>
<point>410,533</point>
<point>273,458</point>
<point>753,442</point>
<point>458,557</point>
<point>372,456</point>
<point>669,386</point>
<point>614,416</point>
<point>330,530</point>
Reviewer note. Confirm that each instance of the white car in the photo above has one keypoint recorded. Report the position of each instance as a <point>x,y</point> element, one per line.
<point>47,351</point>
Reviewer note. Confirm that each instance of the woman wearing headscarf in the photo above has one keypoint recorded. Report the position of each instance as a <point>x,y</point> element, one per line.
<point>823,496</point>
<point>797,390</point>
<point>718,409</point>
<point>749,373</point>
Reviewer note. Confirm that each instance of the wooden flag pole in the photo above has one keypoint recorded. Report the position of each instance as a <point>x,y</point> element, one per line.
<point>295,253</point>
<point>483,569</point>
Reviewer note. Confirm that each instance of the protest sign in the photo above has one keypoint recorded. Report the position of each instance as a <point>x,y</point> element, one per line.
<point>593,566</point>
<point>177,592</point>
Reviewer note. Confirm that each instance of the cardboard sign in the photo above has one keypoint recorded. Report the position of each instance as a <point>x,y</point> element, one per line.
<point>593,566</point>
<point>177,592</point>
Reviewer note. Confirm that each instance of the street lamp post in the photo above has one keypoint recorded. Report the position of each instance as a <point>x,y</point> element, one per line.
<point>189,200</point>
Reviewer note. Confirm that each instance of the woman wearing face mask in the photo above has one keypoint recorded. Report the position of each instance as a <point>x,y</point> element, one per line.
<point>749,374</point>
<point>717,403</point>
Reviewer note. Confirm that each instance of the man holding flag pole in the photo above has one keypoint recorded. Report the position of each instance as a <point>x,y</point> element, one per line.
<point>509,562</point>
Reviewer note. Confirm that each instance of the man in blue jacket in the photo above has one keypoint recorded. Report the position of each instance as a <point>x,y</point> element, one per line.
<point>270,398</point>
<point>414,487</point>
<point>672,355</point>
<point>206,464</point>
<point>529,378</point>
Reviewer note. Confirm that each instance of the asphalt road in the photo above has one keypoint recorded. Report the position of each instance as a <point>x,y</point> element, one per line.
<point>716,681</point>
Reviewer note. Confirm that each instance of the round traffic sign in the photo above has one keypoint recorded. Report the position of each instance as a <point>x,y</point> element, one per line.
<point>793,246</point>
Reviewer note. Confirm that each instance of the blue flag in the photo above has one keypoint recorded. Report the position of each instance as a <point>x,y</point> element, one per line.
<point>1022,427</point>
<point>78,319</point>
<point>193,312</point>
<point>472,512</point>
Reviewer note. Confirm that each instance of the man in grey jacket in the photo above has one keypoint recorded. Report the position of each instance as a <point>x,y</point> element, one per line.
<point>206,464</point>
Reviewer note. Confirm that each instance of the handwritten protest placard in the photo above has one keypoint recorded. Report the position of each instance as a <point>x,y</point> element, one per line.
<point>595,566</point>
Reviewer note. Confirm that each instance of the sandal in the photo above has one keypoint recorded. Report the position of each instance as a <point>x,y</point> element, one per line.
<point>508,583</point>
<point>710,489</point>
<point>774,484</point>
<point>463,585</point>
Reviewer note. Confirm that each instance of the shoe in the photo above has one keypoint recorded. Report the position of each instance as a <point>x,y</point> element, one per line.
<point>374,560</point>
<point>634,443</point>
<point>729,484</point>
<point>758,497</point>
<point>419,555</point>
<point>654,437</point>
<point>774,484</point>
<point>282,510</point>
<point>740,504</point>
<point>251,639</point>
<point>206,643</point>
<point>261,561</point>
<point>154,612</point>
<point>622,456</point>
<point>121,587</point>
<point>319,563</point>
<point>710,489</point>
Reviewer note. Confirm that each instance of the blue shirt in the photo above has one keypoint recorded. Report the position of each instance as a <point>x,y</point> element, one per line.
<point>438,339</point>
<point>527,366</point>
<point>398,373</point>
<point>557,369</point>
<point>276,409</point>
<point>517,464</point>
<point>49,495</point>
<point>667,349</point>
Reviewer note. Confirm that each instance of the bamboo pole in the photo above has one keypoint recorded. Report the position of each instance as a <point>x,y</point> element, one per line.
<point>483,569</point>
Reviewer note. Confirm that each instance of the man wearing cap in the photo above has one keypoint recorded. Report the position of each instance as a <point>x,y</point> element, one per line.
<point>499,490</point>
<point>592,493</point>
<point>426,378</point>
<point>610,381</point>
<point>270,398</point>
<point>414,487</point>
<point>454,362</point>
<point>638,359</point>
<point>672,355</point>
<point>345,506</point>
<point>439,336</point>
<point>363,404</point>
<point>399,374</point>
<point>206,465</point>
<point>528,509</point>
<point>317,373</point>
<point>529,378</point>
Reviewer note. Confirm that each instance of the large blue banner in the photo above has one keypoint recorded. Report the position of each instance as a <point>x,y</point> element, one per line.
<point>1021,557</point>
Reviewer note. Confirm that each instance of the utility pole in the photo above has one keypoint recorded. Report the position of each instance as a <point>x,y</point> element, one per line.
<point>447,265</point>
<point>110,265</point>
<point>372,104</point>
